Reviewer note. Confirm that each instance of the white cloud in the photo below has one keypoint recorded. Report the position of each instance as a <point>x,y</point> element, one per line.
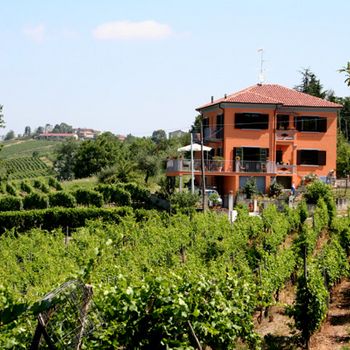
<point>36,33</point>
<point>126,30</point>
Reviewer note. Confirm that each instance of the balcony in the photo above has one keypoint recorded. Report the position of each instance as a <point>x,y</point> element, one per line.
<point>285,135</point>
<point>183,166</point>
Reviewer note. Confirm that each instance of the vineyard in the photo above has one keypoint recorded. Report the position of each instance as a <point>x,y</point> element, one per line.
<point>25,167</point>
<point>166,281</point>
<point>25,148</point>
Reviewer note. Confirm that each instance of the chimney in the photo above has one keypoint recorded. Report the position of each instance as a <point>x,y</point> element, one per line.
<point>225,96</point>
<point>212,99</point>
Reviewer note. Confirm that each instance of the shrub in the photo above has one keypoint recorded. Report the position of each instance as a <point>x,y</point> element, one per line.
<point>120,196</point>
<point>10,203</point>
<point>276,189</point>
<point>114,194</point>
<point>62,199</point>
<point>55,184</point>
<point>184,202</point>
<point>317,190</point>
<point>35,201</point>
<point>138,193</point>
<point>250,188</point>
<point>10,189</point>
<point>26,187</point>
<point>89,197</point>
<point>37,184</point>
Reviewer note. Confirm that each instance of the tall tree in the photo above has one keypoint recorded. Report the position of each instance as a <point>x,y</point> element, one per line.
<point>310,84</point>
<point>65,160</point>
<point>346,70</point>
<point>27,131</point>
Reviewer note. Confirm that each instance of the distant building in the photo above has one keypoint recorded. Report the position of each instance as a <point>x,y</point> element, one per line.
<point>121,137</point>
<point>56,136</point>
<point>176,133</point>
<point>86,134</point>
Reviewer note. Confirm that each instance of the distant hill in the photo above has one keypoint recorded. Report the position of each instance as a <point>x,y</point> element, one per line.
<point>25,148</point>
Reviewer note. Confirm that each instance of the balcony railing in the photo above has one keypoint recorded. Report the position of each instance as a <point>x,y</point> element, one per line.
<point>213,133</point>
<point>285,135</point>
<point>237,166</point>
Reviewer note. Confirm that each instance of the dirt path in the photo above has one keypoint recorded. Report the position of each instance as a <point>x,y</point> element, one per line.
<point>335,332</point>
<point>278,333</point>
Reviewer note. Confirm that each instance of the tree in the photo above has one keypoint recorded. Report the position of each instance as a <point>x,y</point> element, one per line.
<point>343,156</point>
<point>310,84</point>
<point>94,155</point>
<point>2,123</point>
<point>39,130</point>
<point>62,128</point>
<point>346,70</point>
<point>158,136</point>
<point>10,135</point>
<point>196,126</point>
<point>64,164</point>
<point>27,131</point>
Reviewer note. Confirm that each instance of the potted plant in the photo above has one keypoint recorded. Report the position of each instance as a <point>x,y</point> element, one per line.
<point>218,162</point>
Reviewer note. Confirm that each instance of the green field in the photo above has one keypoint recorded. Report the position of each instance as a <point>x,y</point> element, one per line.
<point>25,148</point>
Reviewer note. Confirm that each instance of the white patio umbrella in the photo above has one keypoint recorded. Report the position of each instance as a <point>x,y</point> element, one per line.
<point>195,147</point>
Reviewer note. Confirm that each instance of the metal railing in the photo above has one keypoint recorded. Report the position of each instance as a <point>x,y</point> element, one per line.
<point>237,166</point>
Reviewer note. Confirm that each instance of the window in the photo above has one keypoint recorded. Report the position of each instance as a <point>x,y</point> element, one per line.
<point>219,152</point>
<point>282,122</point>
<point>251,121</point>
<point>311,157</point>
<point>220,126</point>
<point>314,124</point>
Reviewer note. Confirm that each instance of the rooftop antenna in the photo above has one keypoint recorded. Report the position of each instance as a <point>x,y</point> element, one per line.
<point>261,73</point>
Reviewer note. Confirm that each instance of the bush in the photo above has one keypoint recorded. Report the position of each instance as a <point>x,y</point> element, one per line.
<point>275,190</point>
<point>184,202</point>
<point>62,199</point>
<point>317,190</point>
<point>37,184</point>
<point>88,197</point>
<point>114,194</point>
<point>55,184</point>
<point>250,188</point>
<point>10,189</point>
<point>138,193</point>
<point>26,187</point>
<point>35,201</point>
<point>10,203</point>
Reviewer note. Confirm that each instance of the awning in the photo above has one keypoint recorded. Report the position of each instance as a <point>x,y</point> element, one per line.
<point>195,146</point>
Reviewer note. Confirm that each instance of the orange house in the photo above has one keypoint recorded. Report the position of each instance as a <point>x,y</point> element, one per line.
<point>268,132</point>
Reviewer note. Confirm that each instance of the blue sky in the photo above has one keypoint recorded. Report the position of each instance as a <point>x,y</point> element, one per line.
<point>136,66</point>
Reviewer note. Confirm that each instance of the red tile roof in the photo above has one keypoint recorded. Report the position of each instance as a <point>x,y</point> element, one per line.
<point>274,94</point>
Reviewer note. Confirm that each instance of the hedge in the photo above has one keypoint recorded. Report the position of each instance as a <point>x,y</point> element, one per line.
<point>8,203</point>
<point>114,194</point>
<point>88,197</point>
<point>52,218</point>
<point>35,201</point>
<point>62,199</point>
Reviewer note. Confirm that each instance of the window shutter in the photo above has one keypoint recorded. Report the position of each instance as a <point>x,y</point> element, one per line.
<point>321,158</point>
<point>323,124</point>
<point>298,157</point>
